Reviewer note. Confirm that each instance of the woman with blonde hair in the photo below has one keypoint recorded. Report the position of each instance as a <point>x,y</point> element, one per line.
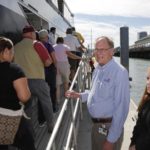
<point>140,139</point>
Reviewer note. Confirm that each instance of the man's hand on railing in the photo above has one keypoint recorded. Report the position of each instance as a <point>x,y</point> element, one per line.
<point>72,94</point>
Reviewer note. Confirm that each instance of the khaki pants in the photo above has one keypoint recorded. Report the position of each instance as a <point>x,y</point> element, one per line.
<point>98,138</point>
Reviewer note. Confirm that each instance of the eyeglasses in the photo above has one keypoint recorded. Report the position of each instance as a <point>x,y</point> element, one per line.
<point>102,50</point>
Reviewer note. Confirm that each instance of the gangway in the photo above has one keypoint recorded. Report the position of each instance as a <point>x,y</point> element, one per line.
<point>64,135</point>
<point>73,124</point>
<point>78,135</point>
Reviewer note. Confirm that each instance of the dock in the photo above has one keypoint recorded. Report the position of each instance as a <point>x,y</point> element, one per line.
<point>73,124</point>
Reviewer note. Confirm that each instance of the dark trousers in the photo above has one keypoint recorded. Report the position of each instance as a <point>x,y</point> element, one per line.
<point>50,77</point>
<point>40,89</point>
<point>51,80</point>
<point>24,139</point>
<point>80,55</point>
<point>98,139</point>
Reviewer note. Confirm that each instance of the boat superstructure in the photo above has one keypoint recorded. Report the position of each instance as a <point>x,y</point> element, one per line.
<point>15,14</point>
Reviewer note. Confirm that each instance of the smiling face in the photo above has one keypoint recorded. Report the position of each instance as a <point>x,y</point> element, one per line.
<point>103,51</point>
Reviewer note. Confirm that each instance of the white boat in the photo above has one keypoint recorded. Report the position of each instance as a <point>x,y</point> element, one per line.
<point>15,14</point>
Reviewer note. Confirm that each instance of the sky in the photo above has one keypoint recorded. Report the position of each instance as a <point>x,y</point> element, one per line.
<point>94,18</point>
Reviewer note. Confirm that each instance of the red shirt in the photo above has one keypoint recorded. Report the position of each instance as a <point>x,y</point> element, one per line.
<point>41,50</point>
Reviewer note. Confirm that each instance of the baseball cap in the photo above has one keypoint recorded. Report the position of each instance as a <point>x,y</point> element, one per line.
<point>28,28</point>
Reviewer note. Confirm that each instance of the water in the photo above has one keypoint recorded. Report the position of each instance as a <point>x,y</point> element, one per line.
<point>137,70</point>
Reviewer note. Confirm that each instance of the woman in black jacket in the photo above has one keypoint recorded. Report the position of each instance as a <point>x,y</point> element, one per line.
<point>141,133</point>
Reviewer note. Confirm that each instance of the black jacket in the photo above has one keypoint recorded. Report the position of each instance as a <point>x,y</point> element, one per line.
<point>141,132</point>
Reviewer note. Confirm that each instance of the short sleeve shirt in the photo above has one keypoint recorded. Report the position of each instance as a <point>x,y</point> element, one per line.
<point>60,52</point>
<point>9,73</point>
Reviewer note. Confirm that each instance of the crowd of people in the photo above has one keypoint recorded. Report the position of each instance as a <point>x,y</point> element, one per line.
<point>35,67</point>
<point>39,64</point>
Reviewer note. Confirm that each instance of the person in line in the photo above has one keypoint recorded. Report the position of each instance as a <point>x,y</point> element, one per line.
<point>81,41</point>
<point>74,45</point>
<point>108,99</point>
<point>14,88</point>
<point>140,139</point>
<point>32,56</point>
<point>62,52</point>
<point>51,36</point>
<point>50,71</point>
<point>80,38</point>
<point>78,35</point>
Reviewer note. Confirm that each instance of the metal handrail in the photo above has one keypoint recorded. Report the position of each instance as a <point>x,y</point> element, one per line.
<point>51,143</point>
<point>72,128</point>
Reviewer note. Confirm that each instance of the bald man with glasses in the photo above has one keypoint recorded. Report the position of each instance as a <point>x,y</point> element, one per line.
<point>108,99</point>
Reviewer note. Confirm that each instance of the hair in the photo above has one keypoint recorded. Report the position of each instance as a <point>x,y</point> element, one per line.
<point>73,29</point>
<point>52,29</point>
<point>60,40</point>
<point>145,97</point>
<point>27,29</point>
<point>109,40</point>
<point>5,43</point>
<point>69,31</point>
<point>42,34</point>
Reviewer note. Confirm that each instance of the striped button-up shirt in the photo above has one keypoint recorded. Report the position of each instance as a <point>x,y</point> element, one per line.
<point>109,96</point>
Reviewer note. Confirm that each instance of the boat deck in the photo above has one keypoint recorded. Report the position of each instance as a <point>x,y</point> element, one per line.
<point>84,135</point>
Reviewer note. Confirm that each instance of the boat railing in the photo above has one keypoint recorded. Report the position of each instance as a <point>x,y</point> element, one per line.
<point>71,112</point>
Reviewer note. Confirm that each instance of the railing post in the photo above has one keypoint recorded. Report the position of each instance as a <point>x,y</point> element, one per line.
<point>84,71</point>
<point>80,89</point>
<point>74,130</point>
<point>89,79</point>
<point>72,135</point>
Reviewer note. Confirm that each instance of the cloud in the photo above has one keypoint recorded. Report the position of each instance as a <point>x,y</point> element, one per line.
<point>129,8</point>
<point>99,18</point>
<point>93,29</point>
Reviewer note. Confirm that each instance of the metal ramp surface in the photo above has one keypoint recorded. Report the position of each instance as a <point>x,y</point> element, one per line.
<point>84,134</point>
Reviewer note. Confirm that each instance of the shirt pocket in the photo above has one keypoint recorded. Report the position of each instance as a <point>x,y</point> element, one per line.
<point>104,90</point>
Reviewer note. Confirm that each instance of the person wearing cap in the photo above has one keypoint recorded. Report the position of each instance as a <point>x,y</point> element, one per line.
<point>74,45</point>
<point>50,71</point>
<point>80,38</point>
<point>51,35</point>
<point>32,56</point>
<point>78,35</point>
<point>108,99</point>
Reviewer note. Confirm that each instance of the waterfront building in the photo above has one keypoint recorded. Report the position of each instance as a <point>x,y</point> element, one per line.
<point>141,35</point>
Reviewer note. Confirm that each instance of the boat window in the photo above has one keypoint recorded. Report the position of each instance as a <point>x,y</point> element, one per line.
<point>61,6</point>
<point>33,18</point>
